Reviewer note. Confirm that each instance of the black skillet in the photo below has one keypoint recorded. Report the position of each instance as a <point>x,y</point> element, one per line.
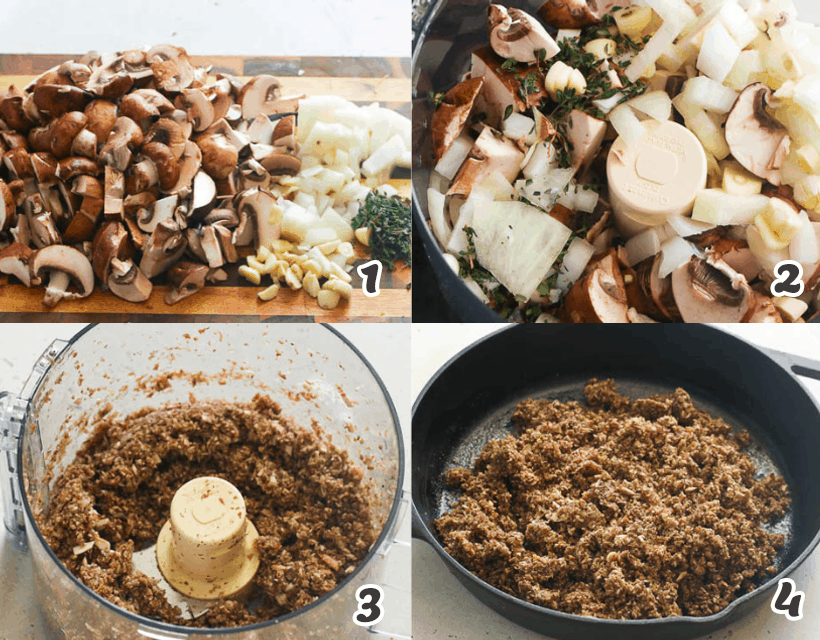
<point>471,398</point>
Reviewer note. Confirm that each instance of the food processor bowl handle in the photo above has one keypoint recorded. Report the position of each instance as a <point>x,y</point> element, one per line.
<point>797,365</point>
<point>13,409</point>
<point>395,556</point>
<point>12,414</point>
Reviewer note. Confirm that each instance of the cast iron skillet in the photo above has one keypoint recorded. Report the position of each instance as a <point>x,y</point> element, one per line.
<point>469,401</point>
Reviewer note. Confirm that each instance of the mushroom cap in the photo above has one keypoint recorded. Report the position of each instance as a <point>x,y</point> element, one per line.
<point>57,99</point>
<point>58,257</point>
<point>173,74</point>
<point>515,34</point>
<point>574,14</point>
<point>219,156</point>
<point>599,295</point>
<point>101,115</point>
<point>64,129</point>
<point>452,114</point>
<point>757,141</point>
<point>709,290</point>
<point>68,168</point>
<point>11,110</point>
<point>125,136</point>
<point>281,164</point>
<point>144,103</point>
<point>18,163</point>
<point>198,108</point>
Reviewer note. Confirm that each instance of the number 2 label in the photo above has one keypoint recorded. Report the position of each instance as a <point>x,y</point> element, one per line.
<point>788,279</point>
<point>369,597</point>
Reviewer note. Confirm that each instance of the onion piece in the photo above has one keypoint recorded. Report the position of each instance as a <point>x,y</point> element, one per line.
<point>472,285</point>
<point>803,247</point>
<point>642,246</point>
<point>710,95</point>
<point>609,104</point>
<point>655,104</point>
<point>586,199</point>
<point>657,45</point>
<point>575,261</point>
<point>718,53</point>
<point>710,134</point>
<point>518,126</point>
<point>626,123</point>
<point>435,209</point>
<point>674,252</point>
<point>721,208</point>
<point>454,157</point>
<point>684,226</point>
<point>738,23</point>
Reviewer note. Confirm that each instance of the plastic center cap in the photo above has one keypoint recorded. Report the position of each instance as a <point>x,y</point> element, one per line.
<point>208,510</point>
<point>207,548</point>
<point>656,165</point>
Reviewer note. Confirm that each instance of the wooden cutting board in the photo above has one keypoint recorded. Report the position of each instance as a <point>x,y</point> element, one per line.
<point>362,80</point>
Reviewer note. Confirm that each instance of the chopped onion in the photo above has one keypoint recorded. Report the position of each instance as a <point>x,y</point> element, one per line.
<point>575,261</point>
<point>567,34</point>
<point>435,209</point>
<point>385,157</point>
<point>657,45</point>
<point>807,94</point>
<point>454,157</point>
<point>718,207</point>
<point>518,126</point>
<point>586,199</point>
<point>609,104</point>
<point>718,53</point>
<point>642,246</point>
<point>674,253</point>
<point>539,162</point>
<point>451,262</point>
<point>803,247</point>
<point>626,123</point>
<point>738,23</point>
<point>472,285</point>
<point>684,226</point>
<point>710,134</point>
<point>656,104</point>
<point>710,95</point>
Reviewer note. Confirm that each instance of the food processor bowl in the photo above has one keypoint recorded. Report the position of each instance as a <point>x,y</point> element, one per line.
<point>312,371</point>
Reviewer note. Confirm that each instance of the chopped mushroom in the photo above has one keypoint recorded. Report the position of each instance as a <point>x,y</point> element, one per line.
<point>451,115</point>
<point>757,141</point>
<point>515,34</point>
<point>599,295</point>
<point>15,260</point>
<point>126,281</point>
<point>187,278</point>
<point>709,290</point>
<point>491,152</point>
<point>574,14</point>
<point>502,88</point>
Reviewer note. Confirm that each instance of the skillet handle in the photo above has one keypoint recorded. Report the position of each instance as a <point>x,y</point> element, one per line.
<point>798,365</point>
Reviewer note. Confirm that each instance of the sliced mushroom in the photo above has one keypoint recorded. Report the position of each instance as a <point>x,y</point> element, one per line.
<point>144,104</point>
<point>189,165</point>
<point>125,137</point>
<point>599,295</point>
<point>126,281</point>
<point>203,195</point>
<point>68,168</point>
<point>225,237</point>
<point>164,248</point>
<point>515,34</point>
<point>101,116</point>
<point>211,247</point>
<point>199,110</point>
<point>650,294</point>
<point>64,266</point>
<point>170,133</point>
<point>503,88</point>
<point>260,130</point>
<point>114,191</point>
<point>8,213</point>
<point>709,290</point>
<point>757,141</point>
<point>111,241</point>
<point>171,66</point>
<point>159,211</point>
<point>167,169</point>
<point>251,174</point>
<point>281,164</point>
<point>267,215</point>
<point>15,260</point>
<point>64,130</point>
<point>491,152</point>
<point>452,114</point>
<point>574,14</point>
<point>259,95</point>
<point>762,310</point>
<point>188,278</point>
<point>11,110</point>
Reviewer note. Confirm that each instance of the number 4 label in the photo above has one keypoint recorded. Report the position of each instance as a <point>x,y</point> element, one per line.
<point>369,597</point>
<point>788,600</point>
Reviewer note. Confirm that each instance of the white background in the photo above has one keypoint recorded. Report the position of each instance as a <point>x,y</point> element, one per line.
<point>443,609</point>
<point>386,346</point>
<point>218,27</point>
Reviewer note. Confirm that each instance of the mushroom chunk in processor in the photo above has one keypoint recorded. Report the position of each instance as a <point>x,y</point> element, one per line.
<point>678,162</point>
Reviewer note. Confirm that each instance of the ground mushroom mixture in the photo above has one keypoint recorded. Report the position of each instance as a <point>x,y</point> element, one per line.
<point>309,502</point>
<point>621,509</point>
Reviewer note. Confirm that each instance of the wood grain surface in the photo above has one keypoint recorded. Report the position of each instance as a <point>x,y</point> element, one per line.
<point>361,80</point>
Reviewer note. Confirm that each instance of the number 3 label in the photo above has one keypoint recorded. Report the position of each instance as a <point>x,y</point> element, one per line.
<point>369,597</point>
